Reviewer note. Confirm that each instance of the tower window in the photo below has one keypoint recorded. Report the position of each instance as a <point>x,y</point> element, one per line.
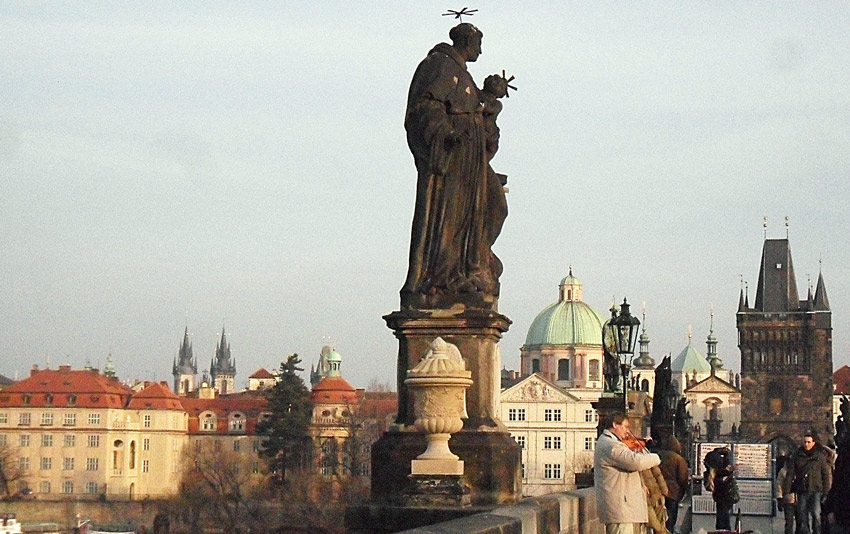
<point>535,365</point>
<point>564,369</point>
<point>593,370</point>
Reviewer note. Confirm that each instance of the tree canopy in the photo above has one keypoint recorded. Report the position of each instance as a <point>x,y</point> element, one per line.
<point>284,432</point>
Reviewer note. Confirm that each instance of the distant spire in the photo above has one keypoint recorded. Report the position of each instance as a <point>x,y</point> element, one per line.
<point>746,294</point>
<point>787,225</point>
<point>821,302</point>
<point>765,226</point>
<point>711,344</point>
<point>644,360</point>
<point>741,306</point>
<point>690,333</point>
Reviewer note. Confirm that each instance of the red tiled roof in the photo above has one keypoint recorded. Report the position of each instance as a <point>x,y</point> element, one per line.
<point>249,403</point>
<point>64,387</point>
<point>333,390</point>
<point>155,397</point>
<point>261,373</point>
<point>841,379</point>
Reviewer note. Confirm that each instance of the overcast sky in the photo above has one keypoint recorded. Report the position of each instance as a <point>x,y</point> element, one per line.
<point>169,164</point>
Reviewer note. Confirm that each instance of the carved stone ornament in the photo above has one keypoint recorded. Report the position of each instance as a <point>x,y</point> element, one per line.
<point>439,384</point>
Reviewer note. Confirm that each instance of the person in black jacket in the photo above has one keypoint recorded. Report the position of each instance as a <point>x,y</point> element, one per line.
<point>724,489</point>
<point>810,476</point>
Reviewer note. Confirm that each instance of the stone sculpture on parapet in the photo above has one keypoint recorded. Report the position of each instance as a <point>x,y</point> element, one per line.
<point>460,201</point>
<point>452,286</point>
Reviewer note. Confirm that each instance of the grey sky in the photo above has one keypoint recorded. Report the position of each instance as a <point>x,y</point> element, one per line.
<point>247,164</point>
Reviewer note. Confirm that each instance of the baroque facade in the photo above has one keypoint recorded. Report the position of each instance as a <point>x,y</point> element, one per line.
<point>80,434</point>
<point>555,429</point>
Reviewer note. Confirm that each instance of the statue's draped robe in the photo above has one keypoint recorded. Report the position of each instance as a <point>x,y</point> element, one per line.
<point>457,217</point>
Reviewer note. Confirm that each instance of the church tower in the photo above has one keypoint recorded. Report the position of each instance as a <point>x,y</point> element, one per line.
<point>786,353</point>
<point>644,365</point>
<point>185,369</point>
<point>223,368</point>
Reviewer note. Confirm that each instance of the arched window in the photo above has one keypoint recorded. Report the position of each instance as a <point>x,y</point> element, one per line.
<point>535,365</point>
<point>564,369</point>
<point>644,385</point>
<point>593,371</point>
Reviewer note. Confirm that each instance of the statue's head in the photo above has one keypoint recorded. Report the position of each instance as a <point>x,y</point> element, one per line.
<point>466,39</point>
<point>496,85</point>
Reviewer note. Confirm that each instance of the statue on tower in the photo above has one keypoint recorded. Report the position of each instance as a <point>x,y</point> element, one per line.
<point>460,200</point>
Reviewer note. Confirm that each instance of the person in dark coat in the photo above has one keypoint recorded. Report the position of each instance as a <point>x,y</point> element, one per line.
<point>810,474</point>
<point>674,468</point>
<point>719,481</point>
<point>837,505</point>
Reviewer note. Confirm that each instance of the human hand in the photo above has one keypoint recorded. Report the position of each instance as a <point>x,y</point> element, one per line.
<point>779,504</point>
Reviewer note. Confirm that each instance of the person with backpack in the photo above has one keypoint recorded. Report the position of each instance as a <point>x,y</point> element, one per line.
<point>718,479</point>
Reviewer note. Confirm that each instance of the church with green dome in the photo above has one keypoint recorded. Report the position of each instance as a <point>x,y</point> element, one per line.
<point>564,342</point>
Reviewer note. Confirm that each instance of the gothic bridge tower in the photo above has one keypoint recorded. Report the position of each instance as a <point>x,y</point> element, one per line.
<point>786,353</point>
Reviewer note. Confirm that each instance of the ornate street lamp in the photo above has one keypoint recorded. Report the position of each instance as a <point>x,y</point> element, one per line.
<point>621,331</point>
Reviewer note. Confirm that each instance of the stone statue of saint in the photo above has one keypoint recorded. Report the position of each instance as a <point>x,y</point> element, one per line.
<point>460,201</point>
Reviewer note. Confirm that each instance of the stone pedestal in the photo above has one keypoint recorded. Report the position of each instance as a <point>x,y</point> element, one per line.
<point>476,334</point>
<point>436,490</point>
<point>607,405</point>
<point>492,466</point>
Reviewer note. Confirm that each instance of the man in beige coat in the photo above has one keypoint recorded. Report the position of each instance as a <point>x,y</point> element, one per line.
<point>620,497</point>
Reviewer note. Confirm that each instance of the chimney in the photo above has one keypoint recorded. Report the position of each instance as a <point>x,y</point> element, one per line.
<point>65,368</point>
<point>34,369</point>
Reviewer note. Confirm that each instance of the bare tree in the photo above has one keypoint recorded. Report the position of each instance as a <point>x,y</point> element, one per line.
<point>219,487</point>
<point>10,468</point>
<point>378,386</point>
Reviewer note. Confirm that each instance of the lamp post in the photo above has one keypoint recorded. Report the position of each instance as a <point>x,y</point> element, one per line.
<point>622,331</point>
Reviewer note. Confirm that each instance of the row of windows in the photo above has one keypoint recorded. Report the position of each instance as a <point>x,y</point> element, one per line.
<point>68,419</point>
<point>69,440</point>
<point>47,419</point>
<point>554,442</point>
<point>237,445</point>
<point>565,369</point>
<point>67,487</point>
<point>46,464</point>
<point>237,422</point>
<point>550,415</point>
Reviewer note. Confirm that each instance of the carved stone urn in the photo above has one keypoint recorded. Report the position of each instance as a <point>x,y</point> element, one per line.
<point>438,384</point>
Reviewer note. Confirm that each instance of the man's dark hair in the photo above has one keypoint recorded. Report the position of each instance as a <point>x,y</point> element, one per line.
<point>615,418</point>
<point>463,33</point>
<point>811,434</point>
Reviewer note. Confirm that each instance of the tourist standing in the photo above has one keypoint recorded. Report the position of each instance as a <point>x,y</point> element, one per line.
<point>786,501</point>
<point>810,478</point>
<point>620,497</point>
<point>721,483</point>
<point>674,467</point>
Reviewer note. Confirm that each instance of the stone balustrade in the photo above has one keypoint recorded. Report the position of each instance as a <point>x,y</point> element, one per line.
<point>572,512</point>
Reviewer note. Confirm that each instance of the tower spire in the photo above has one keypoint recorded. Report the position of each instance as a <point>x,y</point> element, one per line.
<point>711,345</point>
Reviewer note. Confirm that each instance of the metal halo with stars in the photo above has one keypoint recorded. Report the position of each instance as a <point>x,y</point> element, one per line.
<point>459,14</point>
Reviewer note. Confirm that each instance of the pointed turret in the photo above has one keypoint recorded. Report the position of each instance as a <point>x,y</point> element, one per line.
<point>741,305</point>
<point>185,368</point>
<point>821,300</point>
<point>223,368</point>
<point>777,285</point>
